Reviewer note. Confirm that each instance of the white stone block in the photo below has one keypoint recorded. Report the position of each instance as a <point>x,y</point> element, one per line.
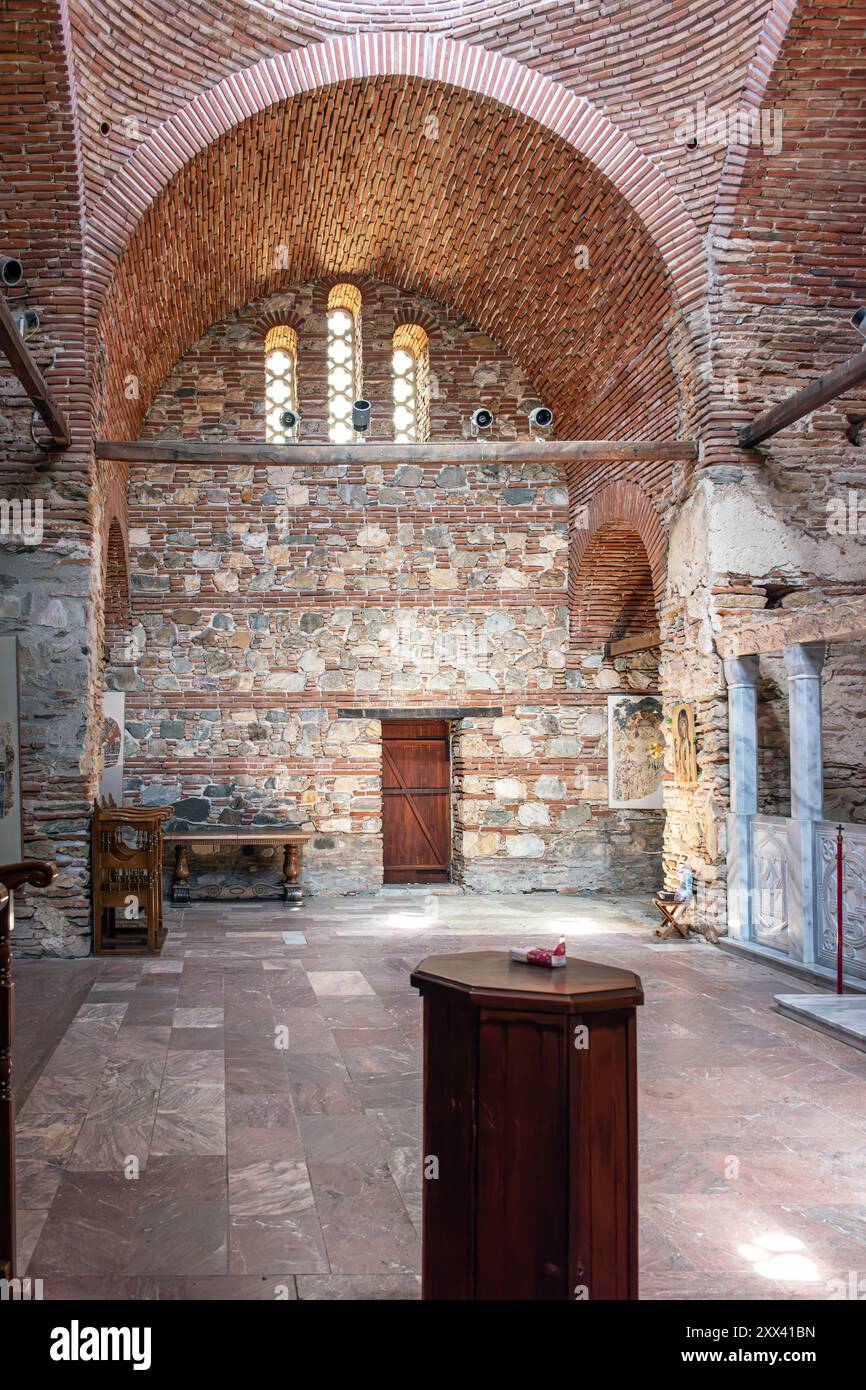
<point>533,813</point>
<point>525,846</point>
<point>509,789</point>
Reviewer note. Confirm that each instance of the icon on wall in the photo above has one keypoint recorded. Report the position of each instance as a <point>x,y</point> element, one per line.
<point>635,751</point>
<point>10,754</point>
<point>111,741</point>
<point>685,752</point>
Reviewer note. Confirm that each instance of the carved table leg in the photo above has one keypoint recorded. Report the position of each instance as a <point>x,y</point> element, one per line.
<point>292,894</point>
<point>180,880</point>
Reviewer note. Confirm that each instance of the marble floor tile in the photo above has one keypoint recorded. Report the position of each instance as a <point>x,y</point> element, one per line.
<point>68,1083</point>
<point>339,982</point>
<point>47,1137</point>
<point>190,1120</point>
<point>29,1226</point>
<point>274,1173</point>
<point>167,1288</point>
<point>333,1287</point>
<point>277,1244</point>
<point>350,1200</point>
<point>202,1017</point>
<point>88,1228</point>
<point>194,1067</point>
<point>279,1186</point>
<point>339,1139</point>
<point>37,1182</point>
<point>202,1176</point>
<point>199,1039</point>
<point>179,1235</point>
<point>377,1052</point>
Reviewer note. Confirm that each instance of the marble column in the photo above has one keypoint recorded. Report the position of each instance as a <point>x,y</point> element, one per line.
<point>803,664</point>
<point>741,674</point>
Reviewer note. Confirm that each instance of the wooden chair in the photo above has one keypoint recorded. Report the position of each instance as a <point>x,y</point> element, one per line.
<point>127,880</point>
<point>37,872</point>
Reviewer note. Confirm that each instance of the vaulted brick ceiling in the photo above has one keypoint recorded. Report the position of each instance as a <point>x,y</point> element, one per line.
<point>639,63</point>
<point>430,188</point>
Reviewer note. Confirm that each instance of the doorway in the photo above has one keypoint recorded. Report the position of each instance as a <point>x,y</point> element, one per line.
<point>416,800</point>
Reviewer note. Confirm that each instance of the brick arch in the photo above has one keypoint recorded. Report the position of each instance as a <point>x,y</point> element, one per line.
<point>117,609</point>
<point>498,253</point>
<point>416,315</point>
<point>613,595</point>
<point>275,317</point>
<point>450,62</point>
<point>325,283</point>
<point>626,507</point>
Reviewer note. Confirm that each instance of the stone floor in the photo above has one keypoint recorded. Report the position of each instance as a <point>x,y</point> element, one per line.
<point>241,1117</point>
<point>841,1016</point>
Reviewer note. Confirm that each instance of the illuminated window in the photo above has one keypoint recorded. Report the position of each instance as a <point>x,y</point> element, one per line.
<point>344,360</point>
<point>281,382</point>
<point>411,367</point>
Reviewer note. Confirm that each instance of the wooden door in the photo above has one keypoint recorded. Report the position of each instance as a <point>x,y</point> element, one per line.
<point>416,800</point>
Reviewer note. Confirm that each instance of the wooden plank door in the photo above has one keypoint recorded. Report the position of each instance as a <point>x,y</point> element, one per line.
<point>416,800</point>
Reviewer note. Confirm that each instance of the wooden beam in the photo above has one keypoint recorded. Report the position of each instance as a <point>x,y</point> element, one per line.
<point>23,364</point>
<point>641,642</point>
<point>556,451</point>
<point>803,402</point>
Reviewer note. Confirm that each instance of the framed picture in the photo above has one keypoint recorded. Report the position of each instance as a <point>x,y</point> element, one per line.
<point>10,755</point>
<point>111,739</point>
<point>635,751</point>
<point>685,753</point>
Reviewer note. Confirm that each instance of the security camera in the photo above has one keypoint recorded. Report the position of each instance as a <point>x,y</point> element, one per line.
<point>26,319</point>
<point>11,270</point>
<point>858,318</point>
<point>289,419</point>
<point>482,418</point>
<point>361,415</point>
<point>541,418</point>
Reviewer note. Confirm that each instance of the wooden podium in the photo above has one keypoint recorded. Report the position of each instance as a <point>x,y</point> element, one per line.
<point>530,1129</point>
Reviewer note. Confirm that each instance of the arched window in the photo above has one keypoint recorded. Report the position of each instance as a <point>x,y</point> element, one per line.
<point>344,360</point>
<point>411,367</point>
<point>281,381</point>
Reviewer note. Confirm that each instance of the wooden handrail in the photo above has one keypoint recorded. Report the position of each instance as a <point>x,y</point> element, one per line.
<point>39,873</point>
<point>842,378</point>
<point>36,871</point>
<point>23,364</point>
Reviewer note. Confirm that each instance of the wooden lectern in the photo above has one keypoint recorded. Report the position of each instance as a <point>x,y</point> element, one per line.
<point>530,1129</point>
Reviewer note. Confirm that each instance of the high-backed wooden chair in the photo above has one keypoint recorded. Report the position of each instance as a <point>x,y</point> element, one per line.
<point>37,872</point>
<point>127,879</point>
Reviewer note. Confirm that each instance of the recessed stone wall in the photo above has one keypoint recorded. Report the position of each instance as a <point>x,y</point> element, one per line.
<point>267,599</point>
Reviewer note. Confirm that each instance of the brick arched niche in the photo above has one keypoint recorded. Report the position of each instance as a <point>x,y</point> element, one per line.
<point>616,579</point>
<point>613,594</point>
<point>616,568</point>
<point>117,610</point>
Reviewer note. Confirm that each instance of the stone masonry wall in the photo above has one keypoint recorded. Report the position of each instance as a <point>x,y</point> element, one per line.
<point>780,526</point>
<point>271,604</point>
<point>50,572</point>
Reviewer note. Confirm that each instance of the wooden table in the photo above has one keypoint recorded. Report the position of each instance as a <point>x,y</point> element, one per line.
<point>530,1129</point>
<point>240,836</point>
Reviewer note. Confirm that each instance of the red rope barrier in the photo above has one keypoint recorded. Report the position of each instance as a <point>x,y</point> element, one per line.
<point>839,892</point>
